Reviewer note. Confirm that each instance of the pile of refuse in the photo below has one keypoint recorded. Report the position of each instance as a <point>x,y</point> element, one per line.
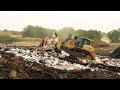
<point>14,67</point>
<point>49,58</point>
<point>59,60</point>
<point>31,63</point>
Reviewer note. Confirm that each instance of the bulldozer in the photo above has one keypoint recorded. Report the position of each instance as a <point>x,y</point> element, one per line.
<point>80,49</point>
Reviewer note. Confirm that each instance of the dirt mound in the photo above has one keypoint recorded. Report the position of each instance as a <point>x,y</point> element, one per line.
<point>100,44</point>
<point>101,48</point>
<point>12,67</point>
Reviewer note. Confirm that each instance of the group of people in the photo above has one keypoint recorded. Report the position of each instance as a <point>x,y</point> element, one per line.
<point>48,43</point>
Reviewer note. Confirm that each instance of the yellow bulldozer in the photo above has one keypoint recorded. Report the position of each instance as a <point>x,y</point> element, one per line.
<point>80,49</point>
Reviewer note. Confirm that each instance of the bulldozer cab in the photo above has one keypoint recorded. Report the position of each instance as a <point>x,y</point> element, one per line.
<point>84,41</point>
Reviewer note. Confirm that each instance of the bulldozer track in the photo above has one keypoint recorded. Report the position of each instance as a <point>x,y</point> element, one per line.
<point>100,66</point>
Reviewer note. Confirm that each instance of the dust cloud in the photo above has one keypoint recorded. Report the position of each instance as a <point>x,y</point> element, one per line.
<point>106,39</point>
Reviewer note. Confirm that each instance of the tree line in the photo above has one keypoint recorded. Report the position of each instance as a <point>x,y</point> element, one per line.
<point>39,32</point>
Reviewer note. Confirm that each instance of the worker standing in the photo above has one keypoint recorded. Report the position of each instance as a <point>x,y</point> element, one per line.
<point>55,39</point>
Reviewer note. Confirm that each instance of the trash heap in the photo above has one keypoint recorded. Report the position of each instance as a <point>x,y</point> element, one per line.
<point>53,59</point>
<point>31,63</point>
<point>50,58</point>
<point>14,67</point>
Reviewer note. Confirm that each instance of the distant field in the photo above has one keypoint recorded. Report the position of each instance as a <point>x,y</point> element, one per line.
<point>5,33</point>
<point>27,42</point>
<point>16,36</point>
<point>18,40</point>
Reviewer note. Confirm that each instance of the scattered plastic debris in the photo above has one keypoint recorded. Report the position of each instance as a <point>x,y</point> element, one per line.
<point>53,67</point>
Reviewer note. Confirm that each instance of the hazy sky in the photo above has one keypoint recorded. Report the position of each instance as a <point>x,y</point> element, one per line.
<point>104,21</point>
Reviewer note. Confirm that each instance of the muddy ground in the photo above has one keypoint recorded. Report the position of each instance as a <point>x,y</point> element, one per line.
<point>106,50</point>
<point>13,67</point>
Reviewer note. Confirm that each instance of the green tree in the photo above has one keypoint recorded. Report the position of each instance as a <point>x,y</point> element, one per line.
<point>37,32</point>
<point>114,35</point>
<point>92,34</point>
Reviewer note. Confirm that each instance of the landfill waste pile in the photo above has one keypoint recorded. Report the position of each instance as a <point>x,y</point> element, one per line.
<point>13,67</point>
<point>31,63</point>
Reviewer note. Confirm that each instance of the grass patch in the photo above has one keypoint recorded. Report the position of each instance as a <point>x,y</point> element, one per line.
<point>19,41</point>
<point>6,39</point>
<point>27,42</point>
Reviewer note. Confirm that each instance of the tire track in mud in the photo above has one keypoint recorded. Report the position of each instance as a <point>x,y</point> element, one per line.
<point>95,65</point>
